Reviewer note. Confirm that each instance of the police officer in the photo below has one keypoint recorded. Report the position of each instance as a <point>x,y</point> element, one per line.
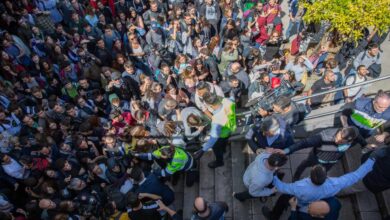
<point>222,125</point>
<point>368,114</point>
<point>173,159</point>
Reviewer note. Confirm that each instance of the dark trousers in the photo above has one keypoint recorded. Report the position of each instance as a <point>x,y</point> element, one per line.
<point>242,196</point>
<point>219,149</point>
<point>280,205</point>
<point>192,175</point>
<point>310,161</point>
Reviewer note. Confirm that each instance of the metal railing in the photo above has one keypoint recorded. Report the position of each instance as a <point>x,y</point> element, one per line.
<point>298,99</point>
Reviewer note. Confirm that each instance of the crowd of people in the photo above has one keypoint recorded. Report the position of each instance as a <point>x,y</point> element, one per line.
<point>103,104</point>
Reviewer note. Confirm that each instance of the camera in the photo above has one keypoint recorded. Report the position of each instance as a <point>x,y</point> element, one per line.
<point>265,102</point>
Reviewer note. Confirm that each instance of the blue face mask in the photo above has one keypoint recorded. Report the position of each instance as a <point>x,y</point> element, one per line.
<point>343,147</point>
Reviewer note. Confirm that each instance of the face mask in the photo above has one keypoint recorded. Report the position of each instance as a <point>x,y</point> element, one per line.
<point>343,147</point>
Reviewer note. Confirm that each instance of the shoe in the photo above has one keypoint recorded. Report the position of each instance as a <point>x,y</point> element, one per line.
<point>266,212</point>
<point>198,154</point>
<point>175,179</point>
<point>215,164</point>
<point>263,199</point>
<point>236,197</point>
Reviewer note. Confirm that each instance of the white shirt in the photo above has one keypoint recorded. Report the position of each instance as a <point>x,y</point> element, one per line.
<point>201,104</point>
<point>350,80</point>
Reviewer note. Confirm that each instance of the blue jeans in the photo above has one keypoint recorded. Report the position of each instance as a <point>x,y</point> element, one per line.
<point>338,97</point>
<point>291,24</point>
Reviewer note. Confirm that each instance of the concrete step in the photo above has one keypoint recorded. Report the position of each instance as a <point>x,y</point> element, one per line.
<point>190,193</point>
<point>206,180</point>
<point>179,193</point>
<point>365,204</point>
<point>347,211</point>
<point>240,209</point>
<point>383,199</point>
<point>223,183</point>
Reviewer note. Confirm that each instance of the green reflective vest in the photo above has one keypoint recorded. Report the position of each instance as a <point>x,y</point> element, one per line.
<point>226,118</point>
<point>178,162</point>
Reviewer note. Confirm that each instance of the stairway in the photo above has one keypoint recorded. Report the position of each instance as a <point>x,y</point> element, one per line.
<point>220,183</point>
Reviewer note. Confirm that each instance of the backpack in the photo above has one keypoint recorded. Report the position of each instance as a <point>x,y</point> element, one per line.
<point>353,74</point>
<point>374,69</point>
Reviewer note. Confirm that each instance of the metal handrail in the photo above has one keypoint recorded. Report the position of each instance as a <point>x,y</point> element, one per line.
<point>297,99</point>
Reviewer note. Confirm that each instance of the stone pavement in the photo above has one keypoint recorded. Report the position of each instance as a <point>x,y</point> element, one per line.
<point>385,56</point>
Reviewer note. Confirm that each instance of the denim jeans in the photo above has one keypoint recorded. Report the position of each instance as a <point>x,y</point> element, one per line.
<point>291,24</point>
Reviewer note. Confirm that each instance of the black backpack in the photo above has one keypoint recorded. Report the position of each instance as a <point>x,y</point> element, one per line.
<point>374,69</point>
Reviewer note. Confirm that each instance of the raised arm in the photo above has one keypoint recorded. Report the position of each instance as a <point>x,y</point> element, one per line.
<point>352,178</point>
<point>313,141</point>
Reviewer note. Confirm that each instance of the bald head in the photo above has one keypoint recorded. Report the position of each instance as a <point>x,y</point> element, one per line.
<point>200,206</point>
<point>46,204</point>
<point>236,67</point>
<point>319,209</point>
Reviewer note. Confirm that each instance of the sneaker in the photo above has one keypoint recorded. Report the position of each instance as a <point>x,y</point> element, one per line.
<point>215,164</point>
<point>266,212</point>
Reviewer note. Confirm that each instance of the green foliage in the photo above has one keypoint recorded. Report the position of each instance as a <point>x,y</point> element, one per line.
<point>350,17</point>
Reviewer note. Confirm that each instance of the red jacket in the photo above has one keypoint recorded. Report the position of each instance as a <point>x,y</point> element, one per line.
<point>263,35</point>
<point>127,121</point>
<point>110,4</point>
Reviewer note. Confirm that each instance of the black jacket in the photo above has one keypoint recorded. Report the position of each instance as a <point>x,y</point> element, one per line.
<point>128,90</point>
<point>256,139</point>
<point>153,185</point>
<point>324,145</point>
<point>378,179</point>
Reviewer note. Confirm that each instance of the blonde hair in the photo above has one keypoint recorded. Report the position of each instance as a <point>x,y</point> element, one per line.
<point>170,128</point>
<point>138,131</point>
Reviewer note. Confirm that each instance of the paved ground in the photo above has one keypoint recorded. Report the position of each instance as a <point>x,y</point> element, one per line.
<point>385,84</point>
<point>385,55</point>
